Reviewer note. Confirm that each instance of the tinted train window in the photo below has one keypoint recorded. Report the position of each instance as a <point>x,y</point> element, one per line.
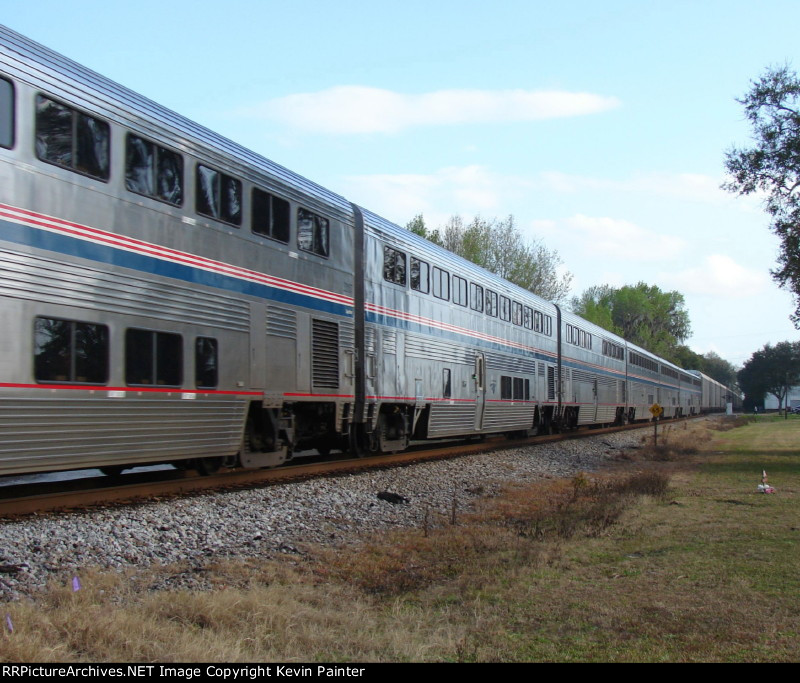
<point>505,388</point>
<point>475,297</point>
<point>206,363</point>
<point>420,276</point>
<point>218,195</point>
<point>527,317</point>
<point>66,137</point>
<point>505,308</point>
<point>153,358</point>
<point>394,266</point>
<point>69,351</point>
<point>313,233</point>
<point>6,113</point>
<point>447,389</point>
<point>270,216</point>
<point>460,291</point>
<point>441,283</point>
<point>516,313</point>
<point>153,171</point>
<point>491,303</point>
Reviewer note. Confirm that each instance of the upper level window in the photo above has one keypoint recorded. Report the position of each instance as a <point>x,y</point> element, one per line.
<point>516,313</point>
<point>153,171</point>
<point>459,291</point>
<point>475,297</point>
<point>527,317</point>
<point>505,308</point>
<point>491,303</point>
<point>69,351</point>
<point>6,113</point>
<point>394,266</point>
<point>313,233</point>
<point>271,216</point>
<point>66,137</point>
<point>441,283</point>
<point>420,272</point>
<point>219,195</point>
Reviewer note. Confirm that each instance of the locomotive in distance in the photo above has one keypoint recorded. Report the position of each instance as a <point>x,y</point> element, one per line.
<point>169,296</point>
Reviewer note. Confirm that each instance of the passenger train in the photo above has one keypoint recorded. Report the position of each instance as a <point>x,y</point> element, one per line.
<point>169,296</point>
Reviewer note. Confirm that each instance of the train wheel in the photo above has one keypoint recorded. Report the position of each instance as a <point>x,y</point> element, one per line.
<point>207,466</point>
<point>112,470</point>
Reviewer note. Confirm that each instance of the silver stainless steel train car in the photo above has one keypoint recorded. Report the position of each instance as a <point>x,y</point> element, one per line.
<point>169,296</point>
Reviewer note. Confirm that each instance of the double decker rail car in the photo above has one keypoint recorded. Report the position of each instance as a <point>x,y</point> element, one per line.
<point>167,295</point>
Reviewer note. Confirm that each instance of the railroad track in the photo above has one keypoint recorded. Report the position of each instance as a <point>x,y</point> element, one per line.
<point>26,499</point>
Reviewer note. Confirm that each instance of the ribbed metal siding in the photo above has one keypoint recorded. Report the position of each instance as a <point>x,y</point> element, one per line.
<point>448,419</point>
<point>281,322</point>
<point>512,365</point>
<point>325,354</point>
<point>50,433</point>
<point>498,416</point>
<point>35,278</point>
<point>432,349</point>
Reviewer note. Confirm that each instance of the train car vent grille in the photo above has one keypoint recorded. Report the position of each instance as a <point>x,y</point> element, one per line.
<point>511,364</point>
<point>325,354</point>
<point>347,336</point>
<point>389,342</point>
<point>281,322</point>
<point>369,340</point>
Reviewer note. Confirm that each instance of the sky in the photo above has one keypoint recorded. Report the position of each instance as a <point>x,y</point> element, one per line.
<point>601,126</point>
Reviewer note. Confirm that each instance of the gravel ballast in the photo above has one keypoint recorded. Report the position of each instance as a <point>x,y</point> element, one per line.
<point>276,519</point>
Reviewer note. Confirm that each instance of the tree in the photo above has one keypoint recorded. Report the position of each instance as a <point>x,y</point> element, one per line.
<point>716,367</point>
<point>772,166</point>
<point>500,247</point>
<point>641,313</point>
<point>772,370</point>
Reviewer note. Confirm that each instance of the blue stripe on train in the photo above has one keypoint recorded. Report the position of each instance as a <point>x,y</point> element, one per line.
<point>64,244</point>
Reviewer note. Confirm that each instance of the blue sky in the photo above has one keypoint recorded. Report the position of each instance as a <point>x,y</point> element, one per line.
<point>601,126</point>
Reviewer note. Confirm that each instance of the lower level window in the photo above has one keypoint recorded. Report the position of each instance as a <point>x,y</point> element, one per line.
<point>206,362</point>
<point>153,358</point>
<point>70,351</point>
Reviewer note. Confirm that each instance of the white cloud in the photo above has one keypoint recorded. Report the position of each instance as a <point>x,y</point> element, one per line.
<point>683,186</point>
<point>720,276</point>
<point>614,239</point>
<point>467,190</point>
<point>359,109</point>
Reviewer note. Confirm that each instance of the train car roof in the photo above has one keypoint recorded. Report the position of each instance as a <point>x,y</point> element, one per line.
<point>40,66</point>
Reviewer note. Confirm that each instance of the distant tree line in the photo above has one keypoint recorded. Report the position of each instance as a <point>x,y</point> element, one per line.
<point>500,247</point>
<point>653,319</point>
<point>641,313</point>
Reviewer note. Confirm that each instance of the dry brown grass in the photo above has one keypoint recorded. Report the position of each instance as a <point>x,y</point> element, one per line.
<point>653,559</point>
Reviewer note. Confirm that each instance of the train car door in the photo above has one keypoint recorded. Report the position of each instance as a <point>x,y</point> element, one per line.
<point>480,389</point>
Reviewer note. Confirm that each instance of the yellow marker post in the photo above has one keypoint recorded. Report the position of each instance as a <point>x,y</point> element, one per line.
<point>656,411</point>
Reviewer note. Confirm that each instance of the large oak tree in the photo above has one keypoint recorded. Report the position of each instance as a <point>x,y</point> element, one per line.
<point>500,247</point>
<point>772,166</point>
<point>641,313</point>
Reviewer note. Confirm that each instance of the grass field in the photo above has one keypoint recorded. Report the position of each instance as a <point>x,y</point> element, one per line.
<point>668,555</point>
